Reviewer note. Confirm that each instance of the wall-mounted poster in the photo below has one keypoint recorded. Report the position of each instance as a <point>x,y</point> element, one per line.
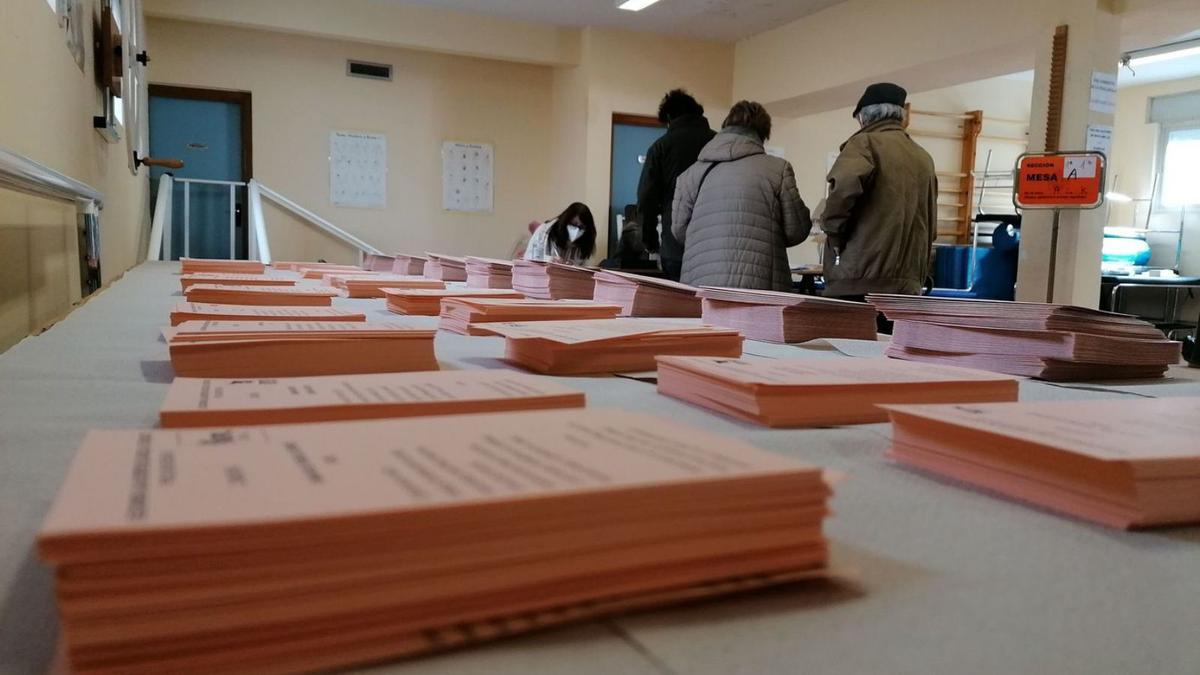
<point>466,176</point>
<point>358,169</point>
<point>70,19</point>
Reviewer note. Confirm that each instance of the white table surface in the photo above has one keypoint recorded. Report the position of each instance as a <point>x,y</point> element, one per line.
<point>939,578</point>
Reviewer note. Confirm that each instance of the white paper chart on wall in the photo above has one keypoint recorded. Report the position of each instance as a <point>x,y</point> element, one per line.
<point>358,169</point>
<point>466,176</point>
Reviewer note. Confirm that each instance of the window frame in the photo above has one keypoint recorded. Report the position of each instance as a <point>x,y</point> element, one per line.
<point>1165,129</point>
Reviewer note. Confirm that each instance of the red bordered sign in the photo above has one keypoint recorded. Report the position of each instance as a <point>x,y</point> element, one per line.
<point>1059,180</point>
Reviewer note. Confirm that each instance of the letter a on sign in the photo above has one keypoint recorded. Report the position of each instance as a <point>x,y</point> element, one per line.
<point>1059,180</point>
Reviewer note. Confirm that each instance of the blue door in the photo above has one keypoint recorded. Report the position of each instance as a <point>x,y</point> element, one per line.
<point>207,136</point>
<point>629,145</point>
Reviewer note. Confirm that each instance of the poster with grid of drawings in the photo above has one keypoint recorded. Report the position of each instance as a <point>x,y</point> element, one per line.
<point>358,169</point>
<point>466,176</point>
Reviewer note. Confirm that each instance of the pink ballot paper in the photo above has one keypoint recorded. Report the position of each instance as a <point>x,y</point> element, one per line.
<point>821,392</point>
<point>193,402</point>
<point>266,544</point>
<point>1126,463</point>
<point>198,311</point>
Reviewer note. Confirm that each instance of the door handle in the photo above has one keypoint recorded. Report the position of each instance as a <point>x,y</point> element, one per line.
<point>158,161</point>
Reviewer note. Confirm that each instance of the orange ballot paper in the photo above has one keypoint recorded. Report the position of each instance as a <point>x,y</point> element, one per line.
<point>298,348</point>
<point>1126,463</point>
<point>821,392</point>
<point>371,285</point>
<point>293,548</point>
<point>428,301</point>
<point>197,311</point>
<point>489,272</point>
<point>221,266</point>
<point>186,281</point>
<point>193,402</point>
<point>608,345</point>
<point>313,296</point>
<point>469,315</point>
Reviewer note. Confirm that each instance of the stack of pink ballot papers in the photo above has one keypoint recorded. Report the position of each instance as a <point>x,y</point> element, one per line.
<point>197,311</point>
<point>229,279</point>
<point>298,348</point>
<point>608,345</point>
<point>372,285</point>
<point>428,301</point>
<point>318,547</point>
<point>1133,462</point>
<point>378,263</point>
<point>646,296</point>
<point>445,267</point>
<point>775,316</point>
<point>489,272</point>
<point>295,265</point>
<point>312,296</point>
<point>197,402</point>
<point>309,271</point>
<point>821,392</point>
<point>552,281</point>
<point>470,316</point>
<point>194,265</point>
<point>409,265</point>
<point>1033,339</point>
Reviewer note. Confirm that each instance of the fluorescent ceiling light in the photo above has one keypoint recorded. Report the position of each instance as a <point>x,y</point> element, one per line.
<point>1168,52</point>
<point>634,5</point>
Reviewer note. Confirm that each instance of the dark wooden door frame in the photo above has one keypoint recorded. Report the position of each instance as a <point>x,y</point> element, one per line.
<point>242,98</point>
<point>637,120</point>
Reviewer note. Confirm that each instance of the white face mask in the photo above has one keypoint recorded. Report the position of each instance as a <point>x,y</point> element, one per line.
<point>574,233</point>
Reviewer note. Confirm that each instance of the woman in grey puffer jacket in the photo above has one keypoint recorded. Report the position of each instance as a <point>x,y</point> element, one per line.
<point>737,209</point>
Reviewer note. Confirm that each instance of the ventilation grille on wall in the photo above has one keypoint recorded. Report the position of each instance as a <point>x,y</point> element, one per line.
<point>371,71</point>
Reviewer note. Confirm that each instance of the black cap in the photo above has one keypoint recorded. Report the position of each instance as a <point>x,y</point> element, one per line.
<point>881,92</point>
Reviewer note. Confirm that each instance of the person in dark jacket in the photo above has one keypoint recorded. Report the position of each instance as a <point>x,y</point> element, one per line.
<point>880,216</point>
<point>687,133</point>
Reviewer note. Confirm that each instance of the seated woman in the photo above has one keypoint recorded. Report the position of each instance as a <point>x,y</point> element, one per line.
<point>570,238</point>
<point>737,210</point>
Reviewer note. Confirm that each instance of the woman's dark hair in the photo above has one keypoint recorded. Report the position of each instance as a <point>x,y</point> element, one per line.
<point>586,243</point>
<point>751,115</point>
<point>678,103</point>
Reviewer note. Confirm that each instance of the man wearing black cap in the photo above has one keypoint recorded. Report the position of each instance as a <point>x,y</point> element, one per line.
<point>881,212</point>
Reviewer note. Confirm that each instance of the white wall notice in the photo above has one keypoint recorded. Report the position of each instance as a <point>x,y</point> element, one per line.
<point>1104,92</point>
<point>358,169</point>
<point>1099,138</point>
<point>466,176</point>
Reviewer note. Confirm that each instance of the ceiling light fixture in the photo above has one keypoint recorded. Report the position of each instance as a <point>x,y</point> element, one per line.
<point>634,5</point>
<point>1167,52</point>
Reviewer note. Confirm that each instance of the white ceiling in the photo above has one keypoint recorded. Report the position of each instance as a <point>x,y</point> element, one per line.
<point>724,20</point>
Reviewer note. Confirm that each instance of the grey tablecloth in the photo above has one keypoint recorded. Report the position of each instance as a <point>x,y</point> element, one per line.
<point>942,579</point>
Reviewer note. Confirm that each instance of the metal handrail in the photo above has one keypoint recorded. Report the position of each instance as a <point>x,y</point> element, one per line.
<point>22,174</point>
<point>260,248</point>
<point>257,188</point>
<point>160,222</point>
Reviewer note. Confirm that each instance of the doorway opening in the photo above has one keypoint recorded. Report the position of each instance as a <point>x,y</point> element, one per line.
<point>632,136</point>
<point>210,130</point>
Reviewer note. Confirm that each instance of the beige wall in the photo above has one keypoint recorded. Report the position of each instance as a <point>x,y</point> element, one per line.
<point>300,93</point>
<point>808,141</point>
<point>46,115</point>
<point>1134,161</point>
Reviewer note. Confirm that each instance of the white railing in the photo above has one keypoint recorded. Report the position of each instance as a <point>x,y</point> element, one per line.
<point>160,222</point>
<point>21,174</point>
<point>258,244</point>
<point>329,228</point>
<point>25,175</point>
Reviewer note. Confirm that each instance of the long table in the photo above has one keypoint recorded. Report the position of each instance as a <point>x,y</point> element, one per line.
<point>933,577</point>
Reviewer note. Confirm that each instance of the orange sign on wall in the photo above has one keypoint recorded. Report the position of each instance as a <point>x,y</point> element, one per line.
<point>1063,180</point>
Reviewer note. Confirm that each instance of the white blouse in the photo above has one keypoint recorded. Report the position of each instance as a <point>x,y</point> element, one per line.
<point>542,248</point>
